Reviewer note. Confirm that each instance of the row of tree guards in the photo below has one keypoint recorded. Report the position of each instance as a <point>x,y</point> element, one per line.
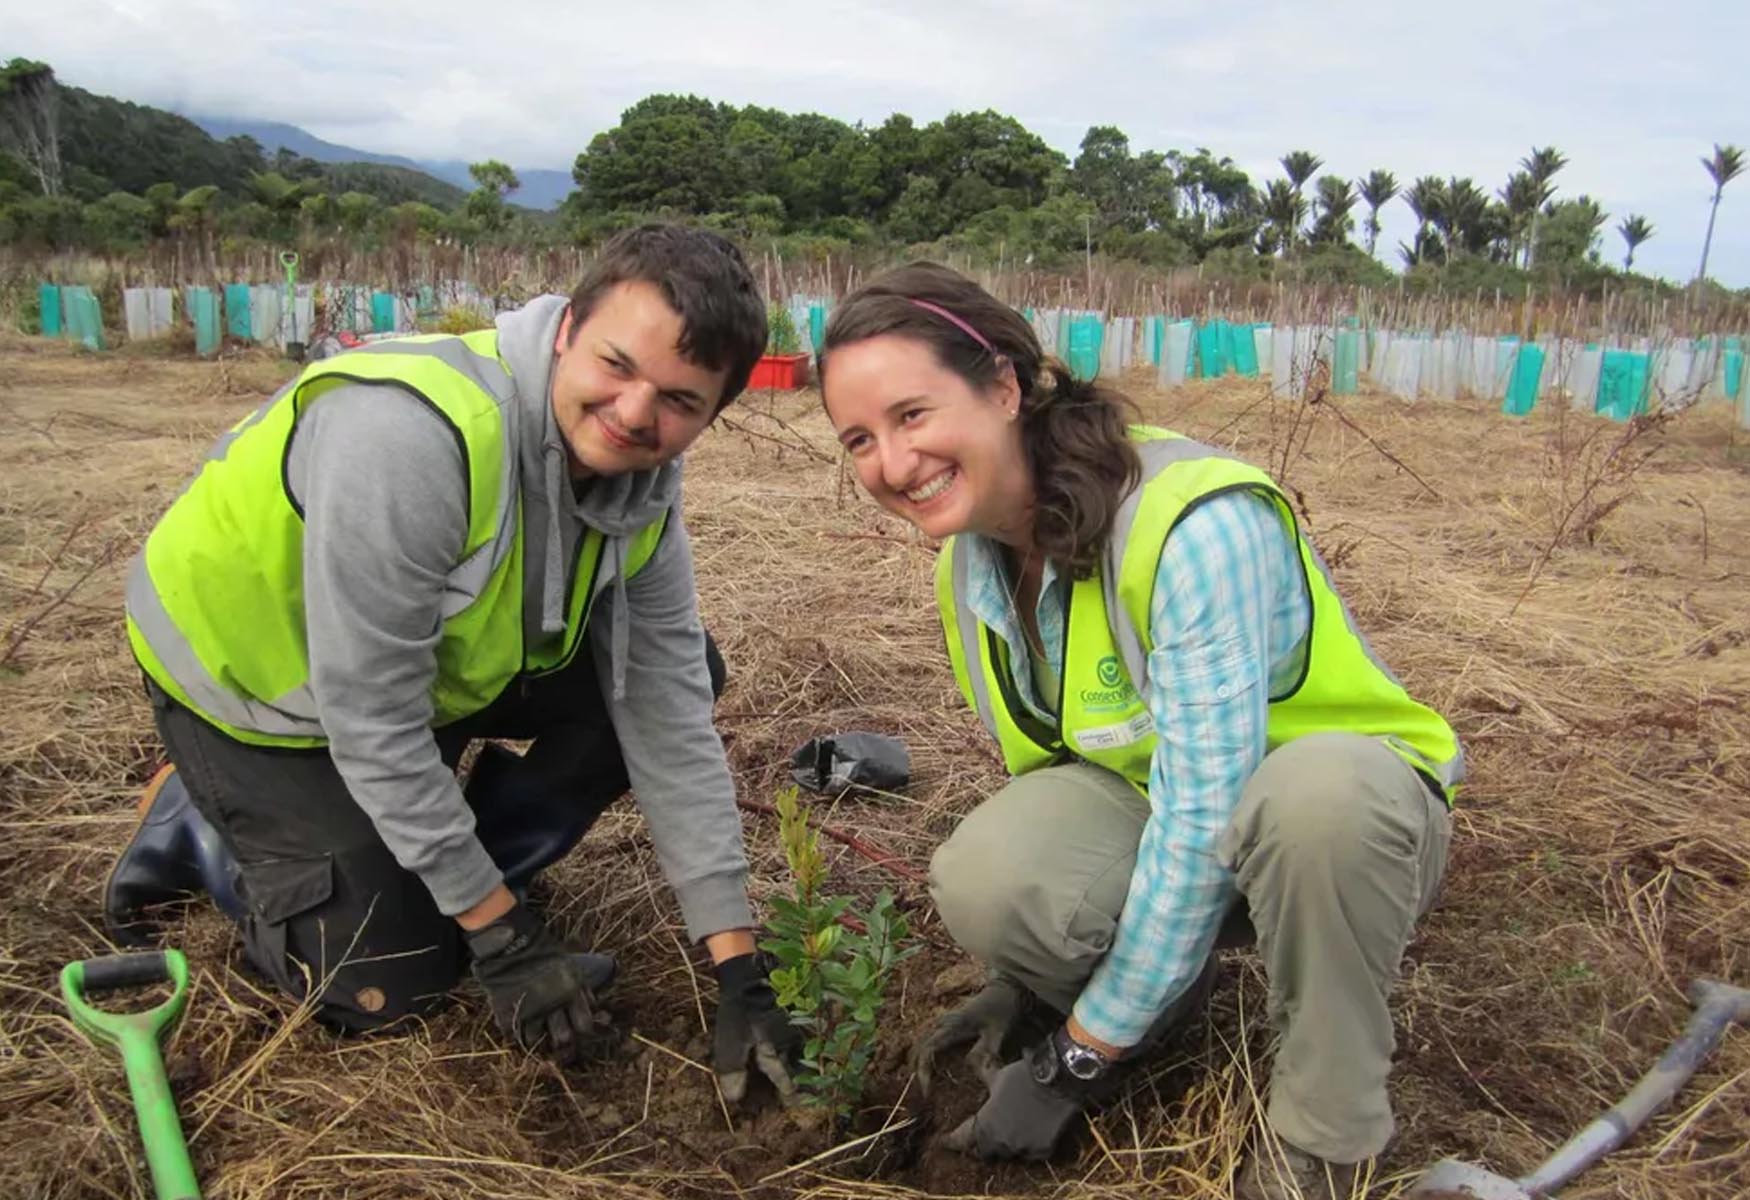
<point>1620,379</point>
<point>1616,377</point>
<point>267,314</point>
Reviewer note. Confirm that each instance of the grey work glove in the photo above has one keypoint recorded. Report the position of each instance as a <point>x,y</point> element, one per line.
<point>987,1021</point>
<point>751,1026</point>
<point>1023,1118</point>
<point>537,988</point>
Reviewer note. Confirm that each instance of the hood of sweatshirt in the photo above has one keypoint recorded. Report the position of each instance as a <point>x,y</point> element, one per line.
<point>556,509</point>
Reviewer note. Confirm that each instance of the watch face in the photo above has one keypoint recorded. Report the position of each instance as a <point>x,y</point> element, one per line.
<point>1083,1063</point>
<point>1078,1061</point>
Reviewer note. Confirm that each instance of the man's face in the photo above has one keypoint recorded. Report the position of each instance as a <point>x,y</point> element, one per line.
<point>624,398</point>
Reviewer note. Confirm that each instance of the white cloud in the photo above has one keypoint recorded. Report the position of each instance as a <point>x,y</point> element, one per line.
<point>1632,95</point>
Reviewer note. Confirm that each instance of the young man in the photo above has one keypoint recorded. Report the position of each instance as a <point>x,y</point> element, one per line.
<point>431,540</point>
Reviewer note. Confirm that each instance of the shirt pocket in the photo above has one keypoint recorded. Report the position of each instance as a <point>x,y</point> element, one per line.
<point>1214,674</point>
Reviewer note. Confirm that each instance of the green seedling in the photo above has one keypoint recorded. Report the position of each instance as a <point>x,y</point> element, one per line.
<point>834,965</point>
<point>781,336</point>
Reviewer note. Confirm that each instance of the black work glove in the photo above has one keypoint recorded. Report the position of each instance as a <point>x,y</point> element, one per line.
<point>987,1021</point>
<point>1032,1104</point>
<point>537,988</point>
<point>751,1025</point>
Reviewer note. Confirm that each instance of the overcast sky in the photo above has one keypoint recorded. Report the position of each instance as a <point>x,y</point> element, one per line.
<point>1633,93</point>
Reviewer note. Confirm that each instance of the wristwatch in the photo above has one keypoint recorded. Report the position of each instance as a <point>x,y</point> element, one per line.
<point>1065,1062</point>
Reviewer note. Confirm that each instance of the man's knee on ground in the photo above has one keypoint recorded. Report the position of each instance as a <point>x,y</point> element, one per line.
<point>359,999</point>
<point>354,929</point>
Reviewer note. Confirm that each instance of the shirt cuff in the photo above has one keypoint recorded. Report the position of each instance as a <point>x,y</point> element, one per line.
<point>714,903</point>
<point>462,878</point>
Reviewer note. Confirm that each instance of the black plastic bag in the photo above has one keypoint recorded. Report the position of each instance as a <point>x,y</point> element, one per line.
<point>842,760</point>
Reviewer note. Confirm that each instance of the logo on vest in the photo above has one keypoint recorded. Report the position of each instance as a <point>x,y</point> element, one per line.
<point>1115,691</point>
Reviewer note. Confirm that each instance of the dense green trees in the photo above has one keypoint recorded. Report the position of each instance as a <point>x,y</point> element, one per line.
<point>78,169</point>
<point>683,154</point>
<point>123,175</point>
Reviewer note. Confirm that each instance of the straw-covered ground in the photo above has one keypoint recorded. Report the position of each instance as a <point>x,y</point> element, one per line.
<point>1600,862</point>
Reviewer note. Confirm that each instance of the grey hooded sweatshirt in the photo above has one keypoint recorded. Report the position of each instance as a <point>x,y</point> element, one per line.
<point>383,486</point>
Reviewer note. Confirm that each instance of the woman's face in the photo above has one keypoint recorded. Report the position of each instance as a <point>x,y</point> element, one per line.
<point>926,444</point>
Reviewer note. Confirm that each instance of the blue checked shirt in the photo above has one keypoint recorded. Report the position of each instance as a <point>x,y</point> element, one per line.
<point>1229,623</point>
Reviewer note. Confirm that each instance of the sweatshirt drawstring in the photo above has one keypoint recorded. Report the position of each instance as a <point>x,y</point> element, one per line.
<point>553,548</point>
<point>621,633</point>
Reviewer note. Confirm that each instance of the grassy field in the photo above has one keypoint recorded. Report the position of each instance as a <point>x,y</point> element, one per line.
<point>1570,593</point>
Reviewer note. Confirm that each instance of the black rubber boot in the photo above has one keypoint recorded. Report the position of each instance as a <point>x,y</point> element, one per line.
<point>175,854</point>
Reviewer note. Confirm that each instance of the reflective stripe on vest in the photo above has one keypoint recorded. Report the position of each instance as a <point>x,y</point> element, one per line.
<point>1103,717</point>
<point>215,598</point>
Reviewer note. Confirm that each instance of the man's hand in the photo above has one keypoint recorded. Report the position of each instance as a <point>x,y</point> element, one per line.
<point>750,1025</point>
<point>1033,1102</point>
<point>537,989</point>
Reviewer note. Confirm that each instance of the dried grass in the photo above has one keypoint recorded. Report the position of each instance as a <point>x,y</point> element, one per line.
<point>1601,859</point>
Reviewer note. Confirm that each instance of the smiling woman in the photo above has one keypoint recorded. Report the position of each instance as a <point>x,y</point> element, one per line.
<point>956,419</point>
<point>1134,618</point>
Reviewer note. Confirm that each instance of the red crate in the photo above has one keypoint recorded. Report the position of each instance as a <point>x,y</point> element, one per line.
<point>785,371</point>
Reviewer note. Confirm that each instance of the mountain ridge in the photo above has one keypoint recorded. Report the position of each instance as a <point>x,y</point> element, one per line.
<point>543,188</point>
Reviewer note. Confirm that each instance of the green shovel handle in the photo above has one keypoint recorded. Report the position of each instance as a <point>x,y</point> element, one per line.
<point>136,1034</point>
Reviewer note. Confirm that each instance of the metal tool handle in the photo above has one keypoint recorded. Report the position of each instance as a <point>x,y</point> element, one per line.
<point>1717,1005</point>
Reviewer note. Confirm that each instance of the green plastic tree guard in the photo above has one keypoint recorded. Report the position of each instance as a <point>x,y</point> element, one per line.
<point>48,298</point>
<point>1346,363</point>
<point>1085,337</point>
<point>238,311</point>
<point>816,325</point>
<point>72,317</point>
<point>1243,350</point>
<point>1733,369</point>
<point>203,310</point>
<point>1622,384</point>
<point>382,312</point>
<point>1211,351</point>
<point>1522,384</point>
<point>82,317</point>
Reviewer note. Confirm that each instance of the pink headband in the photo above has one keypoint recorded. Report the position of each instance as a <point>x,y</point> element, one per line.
<point>950,317</point>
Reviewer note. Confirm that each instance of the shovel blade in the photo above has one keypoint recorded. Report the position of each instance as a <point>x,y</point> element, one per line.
<point>1455,1180</point>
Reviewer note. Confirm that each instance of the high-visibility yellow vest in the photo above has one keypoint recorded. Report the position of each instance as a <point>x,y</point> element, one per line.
<point>215,598</point>
<point>1102,715</point>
